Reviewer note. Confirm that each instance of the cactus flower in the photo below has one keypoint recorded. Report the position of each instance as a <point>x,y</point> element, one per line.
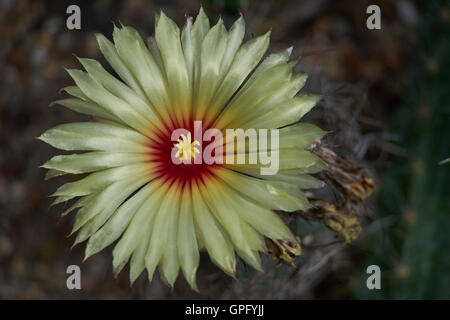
<point>163,213</point>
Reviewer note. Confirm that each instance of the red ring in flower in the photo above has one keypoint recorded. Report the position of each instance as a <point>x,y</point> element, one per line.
<point>182,174</point>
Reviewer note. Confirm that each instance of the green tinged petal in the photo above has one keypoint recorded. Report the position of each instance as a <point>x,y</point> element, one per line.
<point>300,135</point>
<point>286,91</point>
<point>117,106</point>
<point>220,252</point>
<point>59,200</point>
<point>167,36</point>
<point>320,166</point>
<point>111,55</point>
<point>83,201</point>
<point>98,180</point>
<point>261,218</point>
<point>137,262</point>
<point>188,50</point>
<point>273,194</point>
<point>285,113</point>
<point>115,226</point>
<point>235,37</point>
<point>87,107</point>
<point>290,158</point>
<point>139,230</point>
<point>263,87</point>
<point>142,64</point>
<point>199,30</point>
<point>104,204</point>
<point>233,225</point>
<point>53,174</point>
<point>119,89</point>
<point>246,58</point>
<point>160,230</point>
<point>272,60</point>
<point>93,161</point>
<point>212,51</point>
<point>75,92</point>
<point>187,246</point>
<point>154,49</point>
<point>94,136</point>
<point>302,181</point>
<point>170,263</point>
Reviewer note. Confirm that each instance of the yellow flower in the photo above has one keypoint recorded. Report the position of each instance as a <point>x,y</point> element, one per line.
<point>164,213</point>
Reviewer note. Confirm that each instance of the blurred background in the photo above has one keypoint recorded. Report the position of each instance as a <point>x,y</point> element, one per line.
<point>386,103</point>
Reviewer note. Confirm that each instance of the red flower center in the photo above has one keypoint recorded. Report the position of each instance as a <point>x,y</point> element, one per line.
<point>161,154</point>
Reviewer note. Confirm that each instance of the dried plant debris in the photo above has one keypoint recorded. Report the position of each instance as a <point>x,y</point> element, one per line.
<point>284,251</point>
<point>343,221</point>
<point>351,180</point>
<point>353,185</point>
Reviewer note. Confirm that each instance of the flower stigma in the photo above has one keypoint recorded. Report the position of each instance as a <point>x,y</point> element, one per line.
<point>186,148</point>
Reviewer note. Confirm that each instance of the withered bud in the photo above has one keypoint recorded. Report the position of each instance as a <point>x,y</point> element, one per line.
<point>284,251</point>
<point>351,180</point>
<point>341,220</point>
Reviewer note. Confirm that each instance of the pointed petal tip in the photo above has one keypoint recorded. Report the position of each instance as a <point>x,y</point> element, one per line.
<point>121,24</point>
<point>53,103</point>
<point>241,20</point>
<point>44,165</point>
<point>168,283</point>
<point>195,288</point>
<point>161,15</point>
<point>192,281</point>
<point>89,251</point>
<point>86,256</point>
<point>133,278</point>
<point>289,50</point>
<point>54,194</point>
<point>150,276</point>
<point>72,72</point>
<point>231,269</point>
<point>118,268</point>
<point>74,243</point>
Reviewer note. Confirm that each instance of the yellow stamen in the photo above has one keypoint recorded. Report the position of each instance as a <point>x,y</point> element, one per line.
<point>186,148</point>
